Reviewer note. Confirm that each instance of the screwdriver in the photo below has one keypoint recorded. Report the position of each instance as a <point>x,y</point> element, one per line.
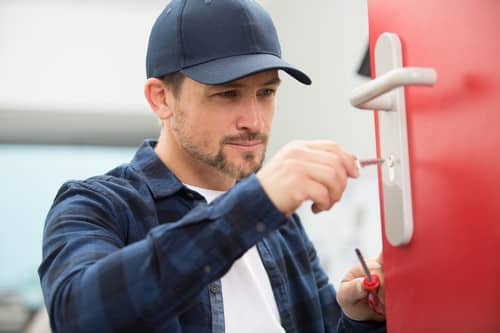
<point>371,283</point>
<point>372,161</point>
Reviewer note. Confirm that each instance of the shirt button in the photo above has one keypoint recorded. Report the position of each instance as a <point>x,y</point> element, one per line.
<point>260,226</point>
<point>214,289</point>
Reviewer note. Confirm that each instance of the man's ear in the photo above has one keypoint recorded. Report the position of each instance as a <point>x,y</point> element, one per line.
<point>159,97</point>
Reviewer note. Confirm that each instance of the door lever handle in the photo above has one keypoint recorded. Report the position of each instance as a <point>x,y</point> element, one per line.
<point>386,93</point>
<point>373,95</point>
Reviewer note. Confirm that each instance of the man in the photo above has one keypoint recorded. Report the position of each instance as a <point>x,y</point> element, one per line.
<point>193,235</point>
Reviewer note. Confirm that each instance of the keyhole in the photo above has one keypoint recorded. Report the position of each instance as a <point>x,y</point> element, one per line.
<point>391,167</point>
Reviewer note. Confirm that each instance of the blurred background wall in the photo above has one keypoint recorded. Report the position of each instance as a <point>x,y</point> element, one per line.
<point>71,106</point>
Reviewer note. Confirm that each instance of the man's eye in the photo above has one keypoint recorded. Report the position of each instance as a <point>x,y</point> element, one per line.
<point>227,94</point>
<point>267,92</point>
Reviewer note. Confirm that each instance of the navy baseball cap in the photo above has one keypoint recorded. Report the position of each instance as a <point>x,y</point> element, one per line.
<point>215,42</point>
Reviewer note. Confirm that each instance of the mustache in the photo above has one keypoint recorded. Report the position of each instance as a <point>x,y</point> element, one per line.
<point>245,136</point>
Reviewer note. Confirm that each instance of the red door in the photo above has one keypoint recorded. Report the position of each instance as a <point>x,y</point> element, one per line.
<point>447,278</point>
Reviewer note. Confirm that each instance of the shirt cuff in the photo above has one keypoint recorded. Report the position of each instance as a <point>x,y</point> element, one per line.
<point>351,325</point>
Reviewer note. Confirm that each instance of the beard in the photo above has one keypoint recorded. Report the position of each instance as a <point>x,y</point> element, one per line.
<point>219,159</point>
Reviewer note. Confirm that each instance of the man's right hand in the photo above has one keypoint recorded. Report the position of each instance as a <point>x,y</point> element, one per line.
<point>307,170</point>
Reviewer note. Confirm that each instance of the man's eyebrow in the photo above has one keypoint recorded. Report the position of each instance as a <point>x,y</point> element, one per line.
<point>273,81</point>
<point>229,85</point>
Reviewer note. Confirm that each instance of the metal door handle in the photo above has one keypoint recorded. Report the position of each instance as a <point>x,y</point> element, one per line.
<point>386,92</point>
<point>373,95</point>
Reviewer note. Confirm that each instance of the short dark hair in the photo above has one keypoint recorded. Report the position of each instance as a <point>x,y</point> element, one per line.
<point>174,82</point>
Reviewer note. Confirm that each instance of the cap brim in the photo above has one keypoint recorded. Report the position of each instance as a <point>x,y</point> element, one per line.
<point>233,68</point>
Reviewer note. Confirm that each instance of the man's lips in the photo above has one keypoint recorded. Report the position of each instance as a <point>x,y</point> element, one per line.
<point>244,145</point>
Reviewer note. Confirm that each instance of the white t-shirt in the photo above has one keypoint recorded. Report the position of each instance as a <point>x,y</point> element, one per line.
<point>249,304</point>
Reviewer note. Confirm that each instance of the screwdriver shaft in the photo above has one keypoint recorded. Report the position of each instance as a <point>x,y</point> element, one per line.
<point>372,161</point>
<point>363,264</point>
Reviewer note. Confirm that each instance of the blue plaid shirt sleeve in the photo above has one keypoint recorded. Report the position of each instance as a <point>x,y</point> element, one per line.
<point>93,281</point>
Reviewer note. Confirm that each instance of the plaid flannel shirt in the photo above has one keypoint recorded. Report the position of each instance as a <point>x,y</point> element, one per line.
<point>136,251</point>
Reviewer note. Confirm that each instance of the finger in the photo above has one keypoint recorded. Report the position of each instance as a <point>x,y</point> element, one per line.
<point>349,160</point>
<point>334,179</point>
<point>353,291</point>
<point>351,166</point>
<point>376,268</point>
<point>380,259</point>
<point>332,149</point>
<point>316,155</point>
<point>318,194</point>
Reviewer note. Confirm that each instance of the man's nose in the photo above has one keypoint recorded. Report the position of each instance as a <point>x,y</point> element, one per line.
<point>250,117</point>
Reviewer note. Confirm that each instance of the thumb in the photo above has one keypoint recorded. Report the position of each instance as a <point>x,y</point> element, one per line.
<point>352,291</point>
<point>380,259</point>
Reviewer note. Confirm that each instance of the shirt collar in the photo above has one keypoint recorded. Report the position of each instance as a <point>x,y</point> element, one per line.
<point>160,180</point>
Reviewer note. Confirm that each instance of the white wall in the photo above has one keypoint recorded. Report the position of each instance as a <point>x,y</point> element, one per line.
<point>74,55</point>
<point>327,39</point>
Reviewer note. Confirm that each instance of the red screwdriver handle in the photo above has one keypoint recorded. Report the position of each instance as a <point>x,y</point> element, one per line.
<point>373,284</point>
<point>373,300</point>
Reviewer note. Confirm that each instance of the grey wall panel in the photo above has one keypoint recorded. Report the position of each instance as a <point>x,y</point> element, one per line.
<point>85,128</point>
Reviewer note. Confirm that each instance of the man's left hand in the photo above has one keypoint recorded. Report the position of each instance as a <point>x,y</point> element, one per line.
<point>353,298</point>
